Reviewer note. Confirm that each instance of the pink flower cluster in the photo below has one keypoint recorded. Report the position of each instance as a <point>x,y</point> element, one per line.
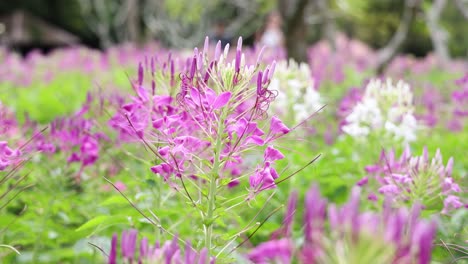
<point>415,179</point>
<point>8,129</point>
<point>352,97</point>
<point>460,102</point>
<point>8,156</point>
<point>8,123</point>
<point>74,135</point>
<point>214,104</point>
<point>169,252</point>
<point>332,233</point>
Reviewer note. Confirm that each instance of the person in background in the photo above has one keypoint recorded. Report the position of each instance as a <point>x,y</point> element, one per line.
<point>272,35</point>
<point>219,33</point>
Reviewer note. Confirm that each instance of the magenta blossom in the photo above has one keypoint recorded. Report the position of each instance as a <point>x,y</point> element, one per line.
<point>340,234</point>
<point>460,102</point>
<point>415,179</point>
<point>8,156</point>
<point>215,112</point>
<point>169,252</point>
<point>264,177</point>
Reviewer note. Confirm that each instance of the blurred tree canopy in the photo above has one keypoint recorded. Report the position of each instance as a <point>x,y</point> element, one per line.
<point>375,21</point>
<point>64,14</point>
<point>184,23</point>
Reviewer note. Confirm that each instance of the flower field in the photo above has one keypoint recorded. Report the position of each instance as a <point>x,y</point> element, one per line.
<point>232,155</point>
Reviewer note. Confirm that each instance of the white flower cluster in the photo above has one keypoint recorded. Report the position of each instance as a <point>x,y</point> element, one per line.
<point>386,107</point>
<point>297,97</point>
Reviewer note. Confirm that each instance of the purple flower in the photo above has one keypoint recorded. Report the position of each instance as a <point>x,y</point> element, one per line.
<point>372,197</point>
<point>264,177</point>
<point>331,233</point>
<point>272,154</point>
<point>414,179</point>
<point>389,189</point>
<point>164,170</point>
<point>113,251</point>
<point>89,150</point>
<point>144,249</point>
<point>363,181</point>
<point>238,55</point>
<point>129,240</point>
<point>273,251</point>
<point>140,74</point>
<point>168,253</point>
<point>221,100</point>
<point>277,127</point>
<point>460,102</point>
<point>452,202</point>
<point>202,121</point>
<point>423,235</point>
<point>8,156</point>
<point>314,214</point>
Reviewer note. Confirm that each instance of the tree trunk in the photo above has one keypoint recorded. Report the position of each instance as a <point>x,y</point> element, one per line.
<point>463,7</point>
<point>438,34</point>
<point>387,53</point>
<point>133,23</point>
<point>328,22</point>
<point>295,28</point>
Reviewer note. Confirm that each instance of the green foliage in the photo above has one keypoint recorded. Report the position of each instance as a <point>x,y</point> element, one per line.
<point>188,11</point>
<point>44,102</point>
<point>375,22</point>
<point>56,220</point>
<point>453,22</point>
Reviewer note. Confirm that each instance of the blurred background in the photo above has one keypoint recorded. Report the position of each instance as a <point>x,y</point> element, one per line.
<point>417,27</point>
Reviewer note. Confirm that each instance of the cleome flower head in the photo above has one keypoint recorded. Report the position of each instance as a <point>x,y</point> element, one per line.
<point>415,180</point>
<point>130,251</point>
<point>203,123</point>
<point>296,93</point>
<point>74,135</point>
<point>460,103</point>
<point>345,235</point>
<point>8,129</point>
<point>8,124</point>
<point>8,156</point>
<point>384,107</point>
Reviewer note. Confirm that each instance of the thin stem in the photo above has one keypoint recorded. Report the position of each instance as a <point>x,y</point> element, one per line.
<point>255,231</point>
<point>208,223</point>
<point>235,205</point>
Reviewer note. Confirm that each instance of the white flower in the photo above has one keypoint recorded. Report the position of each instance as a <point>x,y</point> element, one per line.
<point>355,130</point>
<point>295,91</point>
<point>384,107</point>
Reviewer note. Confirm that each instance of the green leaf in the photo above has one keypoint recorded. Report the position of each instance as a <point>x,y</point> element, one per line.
<point>11,248</point>
<point>114,200</point>
<point>102,219</point>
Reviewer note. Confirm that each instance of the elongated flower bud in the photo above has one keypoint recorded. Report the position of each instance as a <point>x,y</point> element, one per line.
<point>259,83</point>
<point>206,46</point>
<point>140,74</point>
<point>217,51</point>
<point>415,179</point>
<point>238,54</point>
<point>260,56</point>
<point>193,67</point>
<point>344,233</point>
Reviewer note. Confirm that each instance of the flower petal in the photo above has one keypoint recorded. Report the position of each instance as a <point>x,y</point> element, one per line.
<point>221,100</point>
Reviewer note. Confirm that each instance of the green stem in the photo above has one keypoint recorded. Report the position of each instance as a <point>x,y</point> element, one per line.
<point>42,233</point>
<point>208,223</point>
